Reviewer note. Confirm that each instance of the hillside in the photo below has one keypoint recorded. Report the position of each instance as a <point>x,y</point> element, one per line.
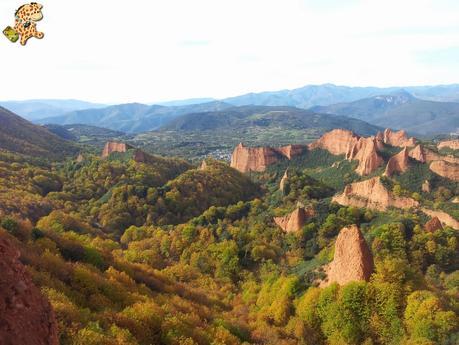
<point>131,118</point>
<point>401,110</point>
<point>266,117</point>
<point>20,136</point>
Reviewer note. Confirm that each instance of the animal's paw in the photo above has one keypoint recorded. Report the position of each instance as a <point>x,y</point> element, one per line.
<point>40,35</point>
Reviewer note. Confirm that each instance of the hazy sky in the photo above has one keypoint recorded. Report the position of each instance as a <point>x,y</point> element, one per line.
<point>156,50</point>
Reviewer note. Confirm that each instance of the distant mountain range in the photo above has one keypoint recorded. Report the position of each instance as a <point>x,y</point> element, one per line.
<point>428,110</point>
<point>20,136</point>
<point>33,110</point>
<point>327,94</point>
<point>401,110</point>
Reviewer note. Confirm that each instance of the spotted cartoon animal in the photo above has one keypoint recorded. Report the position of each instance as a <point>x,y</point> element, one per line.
<point>26,18</point>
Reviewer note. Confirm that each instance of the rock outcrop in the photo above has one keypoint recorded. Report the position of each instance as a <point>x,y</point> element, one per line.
<point>291,151</point>
<point>447,170</point>
<point>373,195</point>
<point>112,146</point>
<point>203,165</point>
<point>451,144</point>
<point>365,151</point>
<point>337,142</point>
<point>352,261</point>
<point>433,225</point>
<point>80,158</point>
<point>257,159</point>
<point>26,317</point>
<point>399,138</point>
<point>398,163</point>
<point>283,181</point>
<point>294,221</point>
<point>426,187</point>
<point>444,217</point>
<point>344,142</point>
<point>418,154</point>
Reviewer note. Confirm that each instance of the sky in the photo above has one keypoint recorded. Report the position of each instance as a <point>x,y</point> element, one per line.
<point>116,51</point>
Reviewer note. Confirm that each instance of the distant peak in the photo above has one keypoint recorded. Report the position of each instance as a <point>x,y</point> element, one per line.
<point>398,97</point>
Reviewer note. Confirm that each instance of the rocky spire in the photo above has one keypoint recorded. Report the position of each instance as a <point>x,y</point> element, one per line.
<point>398,163</point>
<point>433,225</point>
<point>352,261</point>
<point>294,221</point>
<point>283,180</point>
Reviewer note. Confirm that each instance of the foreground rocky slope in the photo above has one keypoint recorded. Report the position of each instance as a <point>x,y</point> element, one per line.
<point>26,317</point>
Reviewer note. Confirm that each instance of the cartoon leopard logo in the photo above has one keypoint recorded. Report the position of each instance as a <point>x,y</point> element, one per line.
<point>26,18</point>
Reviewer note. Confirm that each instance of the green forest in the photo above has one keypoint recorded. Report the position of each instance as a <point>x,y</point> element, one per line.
<point>166,252</point>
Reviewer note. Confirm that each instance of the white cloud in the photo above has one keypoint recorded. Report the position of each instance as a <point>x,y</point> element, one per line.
<point>151,50</point>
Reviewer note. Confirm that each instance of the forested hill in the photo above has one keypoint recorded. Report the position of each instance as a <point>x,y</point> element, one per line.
<point>21,136</point>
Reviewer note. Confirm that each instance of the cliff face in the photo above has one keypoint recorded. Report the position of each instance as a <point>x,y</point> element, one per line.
<point>26,317</point>
<point>294,221</point>
<point>352,261</point>
<point>447,170</point>
<point>372,194</point>
<point>257,159</point>
<point>398,163</point>
<point>112,146</point>
<point>337,142</point>
<point>399,138</point>
<point>444,218</point>
<point>344,142</point>
<point>452,144</point>
<point>433,225</point>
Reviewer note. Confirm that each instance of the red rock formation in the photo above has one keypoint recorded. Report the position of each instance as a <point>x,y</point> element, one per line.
<point>398,163</point>
<point>337,142</point>
<point>112,146</point>
<point>444,217</point>
<point>26,317</point>
<point>399,138</point>
<point>294,221</point>
<point>372,194</point>
<point>433,225</point>
<point>283,181</point>
<point>352,260</point>
<point>452,144</point>
<point>257,159</point>
<point>447,170</point>
<point>418,154</point>
<point>247,159</point>
<point>365,151</point>
<point>344,142</point>
<point>432,156</point>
